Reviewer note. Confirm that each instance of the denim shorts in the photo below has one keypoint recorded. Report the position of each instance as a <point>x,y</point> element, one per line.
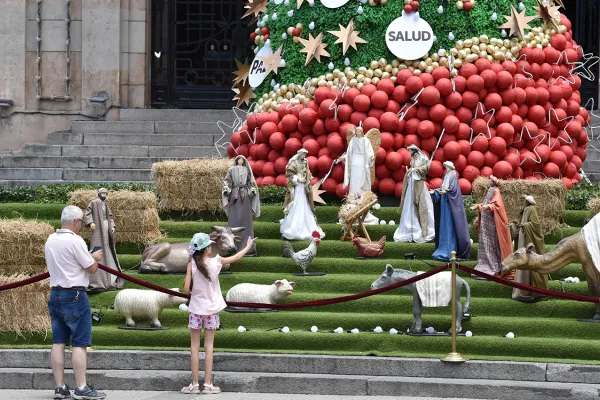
<point>71,318</point>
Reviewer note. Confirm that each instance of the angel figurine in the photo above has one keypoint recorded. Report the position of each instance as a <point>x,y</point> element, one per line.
<point>359,159</point>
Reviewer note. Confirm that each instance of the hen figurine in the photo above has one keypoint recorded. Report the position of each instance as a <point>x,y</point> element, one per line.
<point>371,249</point>
<point>304,257</point>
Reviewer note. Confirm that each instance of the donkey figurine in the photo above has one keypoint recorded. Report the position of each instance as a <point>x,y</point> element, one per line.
<point>392,275</point>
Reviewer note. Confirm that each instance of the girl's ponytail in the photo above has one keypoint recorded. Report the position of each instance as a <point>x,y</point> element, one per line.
<point>198,257</point>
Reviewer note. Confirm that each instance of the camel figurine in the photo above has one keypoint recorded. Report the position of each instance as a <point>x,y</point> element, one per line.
<point>570,249</point>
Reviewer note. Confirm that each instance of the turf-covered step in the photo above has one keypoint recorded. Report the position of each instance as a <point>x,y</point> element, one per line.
<point>559,317</point>
<point>333,231</point>
<point>229,339</point>
<point>327,248</point>
<point>334,285</point>
<point>269,213</point>
<point>341,266</point>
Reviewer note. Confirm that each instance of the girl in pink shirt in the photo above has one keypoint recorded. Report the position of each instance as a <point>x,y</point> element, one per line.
<point>206,302</point>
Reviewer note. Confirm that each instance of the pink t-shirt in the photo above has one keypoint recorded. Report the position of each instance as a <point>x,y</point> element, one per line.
<point>206,297</point>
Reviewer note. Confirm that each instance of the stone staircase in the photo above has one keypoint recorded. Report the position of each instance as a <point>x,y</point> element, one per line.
<point>314,374</point>
<point>115,151</point>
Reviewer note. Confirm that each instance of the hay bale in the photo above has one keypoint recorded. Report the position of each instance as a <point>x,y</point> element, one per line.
<point>24,309</point>
<point>22,246</point>
<point>594,206</point>
<point>135,214</point>
<point>190,185</point>
<point>549,194</point>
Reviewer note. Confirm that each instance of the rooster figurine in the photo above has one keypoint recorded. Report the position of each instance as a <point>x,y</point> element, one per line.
<point>371,249</point>
<point>304,257</point>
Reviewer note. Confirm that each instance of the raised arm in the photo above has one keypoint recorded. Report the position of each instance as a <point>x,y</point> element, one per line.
<point>238,256</point>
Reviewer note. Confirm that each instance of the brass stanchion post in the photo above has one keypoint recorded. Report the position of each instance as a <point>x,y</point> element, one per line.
<point>454,356</point>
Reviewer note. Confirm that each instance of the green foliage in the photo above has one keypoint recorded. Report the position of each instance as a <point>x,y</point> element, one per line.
<point>59,193</point>
<point>372,25</point>
<point>578,197</point>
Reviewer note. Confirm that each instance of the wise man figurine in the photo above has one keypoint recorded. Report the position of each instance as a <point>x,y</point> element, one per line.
<point>99,219</point>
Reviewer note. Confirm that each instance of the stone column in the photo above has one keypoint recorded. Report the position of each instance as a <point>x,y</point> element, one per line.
<point>12,52</point>
<point>100,48</point>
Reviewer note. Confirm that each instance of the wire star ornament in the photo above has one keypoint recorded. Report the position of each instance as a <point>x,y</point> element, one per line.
<point>528,76</point>
<point>243,70</point>
<point>547,12</point>
<point>314,48</point>
<point>228,129</point>
<point>414,101</point>
<point>348,37</point>
<point>589,61</point>
<point>563,79</point>
<point>480,106</point>
<point>541,136</point>
<point>594,123</point>
<point>517,22</point>
<point>557,121</point>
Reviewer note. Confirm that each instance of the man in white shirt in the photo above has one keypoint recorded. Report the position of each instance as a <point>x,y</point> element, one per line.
<point>70,265</point>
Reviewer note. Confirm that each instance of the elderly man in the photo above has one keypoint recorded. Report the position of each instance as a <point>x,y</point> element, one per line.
<point>100,220</point>
<point>70,266</point>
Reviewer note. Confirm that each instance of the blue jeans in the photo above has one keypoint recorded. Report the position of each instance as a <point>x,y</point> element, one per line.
<point>71,318</point>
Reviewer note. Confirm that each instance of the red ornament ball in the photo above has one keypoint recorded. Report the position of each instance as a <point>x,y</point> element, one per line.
<point>362,103</point>
<point>387,186</point>
<point>452,150</point>
<point>502,169</point>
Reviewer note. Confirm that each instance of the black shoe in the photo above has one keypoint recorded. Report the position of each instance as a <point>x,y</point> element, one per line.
<point>88,393</point>
<point>62,393</point>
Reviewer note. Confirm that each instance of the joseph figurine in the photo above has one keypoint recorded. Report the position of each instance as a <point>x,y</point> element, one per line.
<point>527,231</point>
<point>99,219</point>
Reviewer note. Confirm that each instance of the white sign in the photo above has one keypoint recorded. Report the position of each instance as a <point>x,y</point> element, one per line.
<point>334,3</point>
<point>259,69</point>
<point>409,37</point>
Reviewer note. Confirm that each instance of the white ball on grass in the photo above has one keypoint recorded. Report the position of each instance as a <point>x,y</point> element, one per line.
<point>285,329</point>
<point>393,331</point>
<point>339,330</point>
<point>378,330</point>
<point>241,329</point>
<point>314,329</point>
<point>355,331</point>
<point>430,330</point>
<point>382,222</point>
<point>392,222</point>
<point>469,334</point>
<point>183,307</point>
<point>510,335</point>
<point>377,206</point>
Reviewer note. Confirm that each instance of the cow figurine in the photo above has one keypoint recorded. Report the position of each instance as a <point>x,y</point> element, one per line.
<point>167,257</point>
<point>392,275</point>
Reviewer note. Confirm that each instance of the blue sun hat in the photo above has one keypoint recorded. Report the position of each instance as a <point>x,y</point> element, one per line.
<point>199,241</point>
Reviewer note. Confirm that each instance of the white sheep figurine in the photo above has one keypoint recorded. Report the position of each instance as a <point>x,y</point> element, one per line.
<point>145,303</point>
<point>264,294</point>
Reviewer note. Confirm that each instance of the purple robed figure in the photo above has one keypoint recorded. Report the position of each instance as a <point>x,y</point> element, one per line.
<point>451,227</point>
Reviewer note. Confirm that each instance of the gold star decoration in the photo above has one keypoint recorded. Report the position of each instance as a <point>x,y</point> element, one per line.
<point>517,22</point>
<point>314,48</point>
<point>348,37</point>
<point>243,94</point>
<point>547,12</point>
<point>300,2</point>
<point>255,7</point>
<point>242,72</point>
<point>317,192</point>
<point>273,60</point>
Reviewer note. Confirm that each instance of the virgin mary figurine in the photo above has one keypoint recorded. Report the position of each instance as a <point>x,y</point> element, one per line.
<point>241,201</point>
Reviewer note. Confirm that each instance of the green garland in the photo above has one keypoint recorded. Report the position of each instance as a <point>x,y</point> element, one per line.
<point>372,25</point>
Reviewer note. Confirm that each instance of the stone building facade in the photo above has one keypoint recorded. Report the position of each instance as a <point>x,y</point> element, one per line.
<point>57,55</point>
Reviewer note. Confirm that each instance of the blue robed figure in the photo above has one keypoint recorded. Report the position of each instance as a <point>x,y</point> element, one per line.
<point>451,227</point>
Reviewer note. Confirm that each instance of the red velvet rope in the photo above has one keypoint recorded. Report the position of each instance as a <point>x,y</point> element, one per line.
<point>302,304</point>
<point>552,293</point>
<point>24,282</point>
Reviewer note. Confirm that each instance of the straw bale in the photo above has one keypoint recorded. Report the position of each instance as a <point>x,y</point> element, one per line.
<point>190,185</point>
<point>24,309</point>
<point>135,214</point>
<point>594,206</point>
<point>549,194</point>
<point>22,246</point>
